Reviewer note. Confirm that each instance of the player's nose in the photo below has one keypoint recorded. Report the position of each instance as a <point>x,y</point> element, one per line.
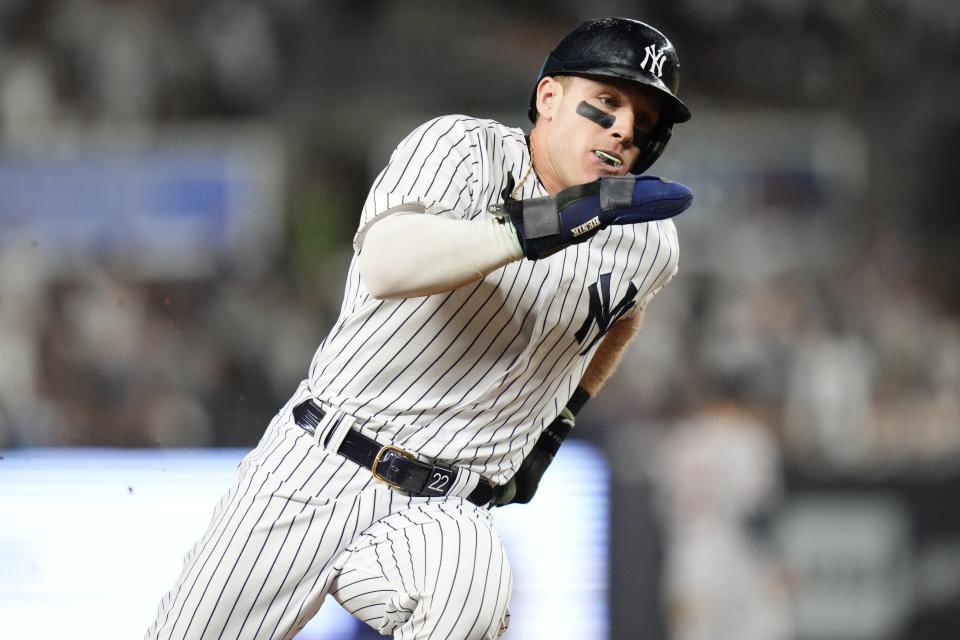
<point>623,127</point>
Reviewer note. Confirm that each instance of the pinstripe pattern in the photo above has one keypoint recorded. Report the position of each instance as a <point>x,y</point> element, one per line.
<point>469,377</point>
<point>442,567</point>
<point>472,376</point>
<point>300,522</point>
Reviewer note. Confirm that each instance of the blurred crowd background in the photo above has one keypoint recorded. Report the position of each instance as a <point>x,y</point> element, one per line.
<point>180,182</point>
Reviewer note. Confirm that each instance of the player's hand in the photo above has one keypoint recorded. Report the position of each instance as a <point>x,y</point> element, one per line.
<point>552,223</point>
<point>522,486</point>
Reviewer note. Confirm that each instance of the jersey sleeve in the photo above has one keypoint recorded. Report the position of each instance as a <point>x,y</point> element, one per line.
<point>433,170</point>
<point>669,267</point>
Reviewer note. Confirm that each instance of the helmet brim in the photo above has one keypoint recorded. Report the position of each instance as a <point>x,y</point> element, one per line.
<point>674,108</point>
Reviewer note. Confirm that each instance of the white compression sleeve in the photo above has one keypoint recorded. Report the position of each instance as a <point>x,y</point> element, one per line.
<point>411,254</point>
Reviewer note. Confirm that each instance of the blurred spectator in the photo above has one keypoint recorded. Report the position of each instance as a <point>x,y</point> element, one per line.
<point>28,100</point>
<point>829,391</point>
<point>117,48</point>
<point>244,55</point>
<point>717,478</point>
<point>25,417</point>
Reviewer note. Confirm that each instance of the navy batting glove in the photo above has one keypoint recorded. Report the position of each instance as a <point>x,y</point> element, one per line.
<point>521,488</point>
<point>552,223</point>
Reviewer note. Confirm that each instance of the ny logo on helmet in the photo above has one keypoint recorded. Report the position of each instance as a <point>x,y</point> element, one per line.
<point>656,59</point>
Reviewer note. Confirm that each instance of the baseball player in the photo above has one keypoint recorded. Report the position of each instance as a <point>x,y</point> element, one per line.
<point>496,280</point>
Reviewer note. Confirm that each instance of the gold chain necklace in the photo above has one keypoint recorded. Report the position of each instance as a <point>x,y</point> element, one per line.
<point>516,189</point>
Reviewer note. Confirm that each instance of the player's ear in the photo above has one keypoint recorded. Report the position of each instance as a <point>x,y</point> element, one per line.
<point>549,92</point>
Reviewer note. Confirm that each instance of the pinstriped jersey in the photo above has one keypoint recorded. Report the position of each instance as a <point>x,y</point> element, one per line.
<point>472,376</point>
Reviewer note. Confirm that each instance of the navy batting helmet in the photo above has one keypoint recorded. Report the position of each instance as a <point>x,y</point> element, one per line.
<point>628,50</point>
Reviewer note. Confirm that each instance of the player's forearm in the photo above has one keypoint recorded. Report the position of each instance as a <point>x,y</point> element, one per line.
<point>418,254</point>
<point>610,352</point>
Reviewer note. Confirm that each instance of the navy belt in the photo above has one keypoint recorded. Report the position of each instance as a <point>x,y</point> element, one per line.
<point>392,465</point>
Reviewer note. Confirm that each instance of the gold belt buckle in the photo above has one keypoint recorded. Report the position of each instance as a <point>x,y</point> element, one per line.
<point>376,462</point>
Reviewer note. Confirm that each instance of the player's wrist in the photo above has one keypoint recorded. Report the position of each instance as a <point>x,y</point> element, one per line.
<point>511,241</point>
<point>578,399</point>
<point>558,430</point>
<point>553,436</point>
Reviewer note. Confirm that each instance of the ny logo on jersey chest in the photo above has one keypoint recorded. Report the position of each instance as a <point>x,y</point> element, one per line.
<point>600,311</point>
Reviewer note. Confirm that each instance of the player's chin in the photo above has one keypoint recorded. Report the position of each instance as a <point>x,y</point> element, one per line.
<point>599,173</point>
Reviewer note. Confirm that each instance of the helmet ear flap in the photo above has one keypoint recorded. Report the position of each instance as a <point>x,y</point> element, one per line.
<point>654,147</point>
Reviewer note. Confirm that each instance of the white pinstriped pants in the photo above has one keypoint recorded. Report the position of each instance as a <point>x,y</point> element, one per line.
<point>300,522</point>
